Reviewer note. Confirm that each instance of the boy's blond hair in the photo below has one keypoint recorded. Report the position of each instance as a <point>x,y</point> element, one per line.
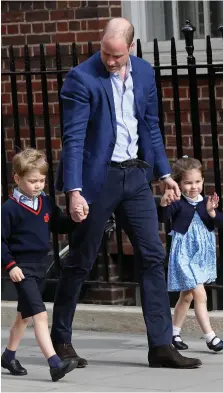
<point>28,160</point>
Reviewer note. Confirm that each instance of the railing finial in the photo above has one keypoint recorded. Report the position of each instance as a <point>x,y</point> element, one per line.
<point>188,30</point>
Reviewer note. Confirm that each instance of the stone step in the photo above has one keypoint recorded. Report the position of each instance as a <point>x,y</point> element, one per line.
<point>117,319</point>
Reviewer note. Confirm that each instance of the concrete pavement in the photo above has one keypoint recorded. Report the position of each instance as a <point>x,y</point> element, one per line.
<point>117,363</point>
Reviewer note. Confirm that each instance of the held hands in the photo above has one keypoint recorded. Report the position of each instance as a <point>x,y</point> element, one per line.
<point>79,208</point>
<point>170,190</point>
<point>170,184</point>
<point>16,274</point>
<point>212,204</point>
<point>168,197</point>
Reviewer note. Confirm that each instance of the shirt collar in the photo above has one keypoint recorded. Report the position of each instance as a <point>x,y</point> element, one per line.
<point>128,69</point>
<point>199,198</point>
<point>21,197</point>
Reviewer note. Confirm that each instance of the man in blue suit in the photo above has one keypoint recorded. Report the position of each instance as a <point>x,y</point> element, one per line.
<point>111,146</point>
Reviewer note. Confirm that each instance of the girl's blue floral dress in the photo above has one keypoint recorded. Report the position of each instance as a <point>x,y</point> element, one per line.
<point>192,259</point>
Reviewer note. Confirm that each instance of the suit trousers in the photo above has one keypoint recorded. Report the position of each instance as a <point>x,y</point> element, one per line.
<point>127,192</point>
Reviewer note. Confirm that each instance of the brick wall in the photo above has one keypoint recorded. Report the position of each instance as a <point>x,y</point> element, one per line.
<point>49,22</point>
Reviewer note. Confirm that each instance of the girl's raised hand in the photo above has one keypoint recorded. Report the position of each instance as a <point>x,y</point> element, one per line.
<point>212,204</point>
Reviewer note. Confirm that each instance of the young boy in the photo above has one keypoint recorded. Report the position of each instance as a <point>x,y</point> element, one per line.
<point>27,219</point>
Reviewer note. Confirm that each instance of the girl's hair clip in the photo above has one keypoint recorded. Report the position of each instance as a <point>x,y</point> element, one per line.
<point>185,157</point>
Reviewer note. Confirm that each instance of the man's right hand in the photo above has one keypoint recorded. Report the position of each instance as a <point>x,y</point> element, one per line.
<point>79,208</point>
<point>16,274</point>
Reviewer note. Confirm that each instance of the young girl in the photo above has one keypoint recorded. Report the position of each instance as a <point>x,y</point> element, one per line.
<point>192,260</point>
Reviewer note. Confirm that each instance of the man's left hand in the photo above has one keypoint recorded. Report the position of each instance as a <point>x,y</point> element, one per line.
<point>170,184</point>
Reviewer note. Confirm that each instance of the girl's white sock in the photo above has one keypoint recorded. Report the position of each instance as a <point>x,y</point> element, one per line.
<point>209,336</point>
<point>176,332</point>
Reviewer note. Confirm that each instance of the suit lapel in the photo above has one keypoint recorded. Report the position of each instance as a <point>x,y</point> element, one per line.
<point>105,80</point>
<point>137,89</point>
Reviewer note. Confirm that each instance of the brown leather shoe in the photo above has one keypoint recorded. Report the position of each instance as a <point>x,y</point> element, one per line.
<point>66,351</point>
<point>168,356</point>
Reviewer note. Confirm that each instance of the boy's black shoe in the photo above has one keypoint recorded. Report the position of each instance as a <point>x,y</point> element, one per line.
<point>180,345</point>
<point>14,366</point>
<point>168,356</point>
<point>217,347</point>
<point>67,351</point>
<point>66,367</point>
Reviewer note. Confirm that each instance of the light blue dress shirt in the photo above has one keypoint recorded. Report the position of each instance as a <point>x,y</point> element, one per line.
<point>126,146</point>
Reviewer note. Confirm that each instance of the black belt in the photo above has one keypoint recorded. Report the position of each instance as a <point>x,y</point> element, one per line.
<point>130,163</point>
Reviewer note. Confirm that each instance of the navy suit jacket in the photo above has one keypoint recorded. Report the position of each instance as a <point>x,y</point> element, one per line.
<point>181,214</point>
<point>90,125</point>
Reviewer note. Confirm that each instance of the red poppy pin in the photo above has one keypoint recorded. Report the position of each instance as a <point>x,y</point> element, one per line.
<point>46,217</point>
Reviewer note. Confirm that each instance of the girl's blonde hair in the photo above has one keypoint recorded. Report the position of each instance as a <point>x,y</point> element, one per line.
<point>28,160</point>
<point>185,164</point>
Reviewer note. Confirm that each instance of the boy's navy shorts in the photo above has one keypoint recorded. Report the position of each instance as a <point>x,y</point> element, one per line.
<point>29,292</point>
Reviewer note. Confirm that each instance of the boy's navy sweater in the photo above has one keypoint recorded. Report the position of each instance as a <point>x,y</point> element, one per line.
<point>26,232</point>
<point>182,212</point>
